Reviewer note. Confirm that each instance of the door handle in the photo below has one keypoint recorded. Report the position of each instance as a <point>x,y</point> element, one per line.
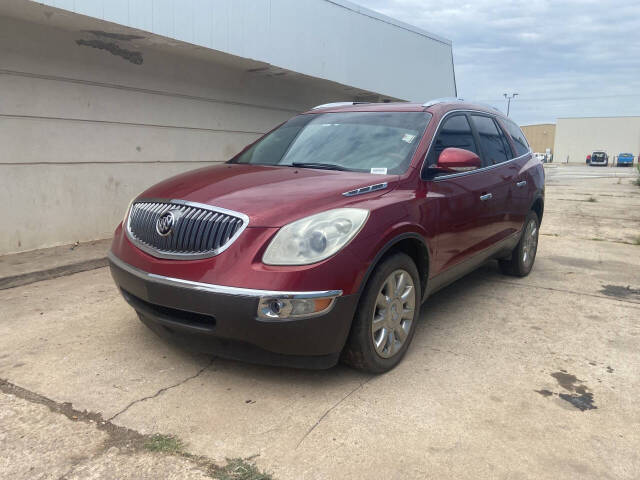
<point>485,197</point>
<point>521,183</point>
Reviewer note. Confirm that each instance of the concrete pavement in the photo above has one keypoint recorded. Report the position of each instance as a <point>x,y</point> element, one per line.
<point>506,378</point>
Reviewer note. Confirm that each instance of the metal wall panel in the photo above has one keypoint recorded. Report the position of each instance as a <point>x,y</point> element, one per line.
<point>330,39</point>
<point>83,130</point>
<point>578,137</point>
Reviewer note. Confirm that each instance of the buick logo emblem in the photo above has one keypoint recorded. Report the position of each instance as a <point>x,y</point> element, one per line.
<point>165,223</point>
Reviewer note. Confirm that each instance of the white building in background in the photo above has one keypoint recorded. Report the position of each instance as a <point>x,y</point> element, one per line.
<point>102,98</point>
<point>578,137</point>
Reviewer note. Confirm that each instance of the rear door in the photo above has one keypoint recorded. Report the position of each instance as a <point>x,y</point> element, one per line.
<point>524,187</point>
<point>457,203</point>
<point>496,153</point>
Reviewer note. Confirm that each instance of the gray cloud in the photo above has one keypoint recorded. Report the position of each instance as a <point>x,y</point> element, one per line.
<point>572,58</point>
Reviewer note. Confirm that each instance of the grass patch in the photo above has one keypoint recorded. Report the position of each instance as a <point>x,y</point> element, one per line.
<point>239,469</point>
<point>598,239</point>
<point>164,444</point>
<point>592,199</point>
<point>235,469</point>
<point>636,240</point>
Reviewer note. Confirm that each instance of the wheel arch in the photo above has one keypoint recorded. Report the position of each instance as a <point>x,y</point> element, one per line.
<point>538,207</point>
<point>410,243</point>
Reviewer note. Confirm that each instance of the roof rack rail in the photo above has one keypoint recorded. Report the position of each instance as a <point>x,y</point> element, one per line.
<point>435,101</point>
<point>337,104</point>
<point>488,106</point>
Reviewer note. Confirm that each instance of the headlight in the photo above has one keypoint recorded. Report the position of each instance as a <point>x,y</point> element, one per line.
<point>314,238</point>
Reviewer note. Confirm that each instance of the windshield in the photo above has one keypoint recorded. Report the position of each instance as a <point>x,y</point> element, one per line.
<point>376,142</point>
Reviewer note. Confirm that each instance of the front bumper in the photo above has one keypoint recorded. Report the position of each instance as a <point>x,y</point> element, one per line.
<point>224,321</point>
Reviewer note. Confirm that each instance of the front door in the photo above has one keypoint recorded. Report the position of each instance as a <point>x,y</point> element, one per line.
<point>465,206</point>
<point>461,204</point>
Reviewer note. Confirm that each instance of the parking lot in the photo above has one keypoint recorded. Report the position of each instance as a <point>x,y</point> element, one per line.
<point>506,378</point>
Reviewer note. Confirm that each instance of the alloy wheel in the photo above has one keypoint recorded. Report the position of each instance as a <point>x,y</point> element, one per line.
<point>530,243</point>
<point>393,313</point>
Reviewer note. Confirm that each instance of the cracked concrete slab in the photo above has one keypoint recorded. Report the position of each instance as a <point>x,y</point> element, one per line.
<point>40,439</point>
<point>480,394</point>
<point>36,443</point>
<point>115,465</point>
<point>160,392</point>
<point>255,410</point>
<point>96,352</point>
<point>601,209</point>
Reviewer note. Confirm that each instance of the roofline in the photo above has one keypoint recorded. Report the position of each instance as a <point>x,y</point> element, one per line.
<point>437,104</point>
<point>385,19</point>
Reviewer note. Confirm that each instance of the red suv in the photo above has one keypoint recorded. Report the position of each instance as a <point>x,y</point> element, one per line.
<point>322,239</point>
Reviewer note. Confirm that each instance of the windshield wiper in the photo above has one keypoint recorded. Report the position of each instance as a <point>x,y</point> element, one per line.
<point>323,166</point>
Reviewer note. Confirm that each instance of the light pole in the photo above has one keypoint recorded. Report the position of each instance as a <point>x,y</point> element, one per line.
<point>509,97</point>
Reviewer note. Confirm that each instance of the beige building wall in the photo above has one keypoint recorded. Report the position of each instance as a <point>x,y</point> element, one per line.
<point>82,130</point>
<point>541,136</point>
<point>578,137</point>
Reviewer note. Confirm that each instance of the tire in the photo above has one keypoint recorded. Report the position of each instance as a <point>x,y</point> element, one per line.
<point>523,255</point>
<point>391,307</point>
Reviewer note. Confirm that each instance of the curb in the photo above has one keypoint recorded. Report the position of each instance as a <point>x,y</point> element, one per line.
<point>61,271</point>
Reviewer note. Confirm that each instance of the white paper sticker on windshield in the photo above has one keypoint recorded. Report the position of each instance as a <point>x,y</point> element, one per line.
<point>407,137</point>
<point>379,171</point>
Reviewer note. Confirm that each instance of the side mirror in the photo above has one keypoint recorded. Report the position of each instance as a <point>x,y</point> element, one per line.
<point>458,160</point>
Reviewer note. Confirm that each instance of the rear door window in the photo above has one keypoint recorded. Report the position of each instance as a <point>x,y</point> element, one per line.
<point>519,140</point>
<point>505,141</point>
<point>492,141</point>
<point>455,132</point>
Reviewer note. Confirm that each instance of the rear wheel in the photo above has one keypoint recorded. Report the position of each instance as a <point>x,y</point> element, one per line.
<point>524,254</point>
<point>385,321</point>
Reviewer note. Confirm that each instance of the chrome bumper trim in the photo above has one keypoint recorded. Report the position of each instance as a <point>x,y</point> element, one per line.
<point>221,289</point>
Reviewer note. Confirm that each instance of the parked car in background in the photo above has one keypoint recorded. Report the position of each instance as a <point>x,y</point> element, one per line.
<point>598,158</point>
<point>322,239</point>
<point>625,159</point>
<point>541,157</point>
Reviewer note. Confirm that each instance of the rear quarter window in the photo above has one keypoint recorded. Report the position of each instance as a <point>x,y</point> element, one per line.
<point>519,140</point>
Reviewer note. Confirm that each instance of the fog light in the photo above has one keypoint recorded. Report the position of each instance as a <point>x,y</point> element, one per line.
<point>289,308</point>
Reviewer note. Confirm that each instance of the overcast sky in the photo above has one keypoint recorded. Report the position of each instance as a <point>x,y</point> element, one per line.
<point>565,59</point>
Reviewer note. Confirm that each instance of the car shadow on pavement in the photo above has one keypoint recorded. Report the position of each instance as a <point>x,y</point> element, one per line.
<point>433,316</point>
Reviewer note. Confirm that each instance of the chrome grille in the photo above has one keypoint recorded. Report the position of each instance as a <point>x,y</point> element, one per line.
<point>198,230</point>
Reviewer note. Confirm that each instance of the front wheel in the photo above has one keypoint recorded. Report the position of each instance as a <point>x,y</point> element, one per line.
<point>385,322</point>
<point>524,254</point>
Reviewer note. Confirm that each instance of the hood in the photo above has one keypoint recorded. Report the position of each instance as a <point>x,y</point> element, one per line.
<point>269,196</point>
